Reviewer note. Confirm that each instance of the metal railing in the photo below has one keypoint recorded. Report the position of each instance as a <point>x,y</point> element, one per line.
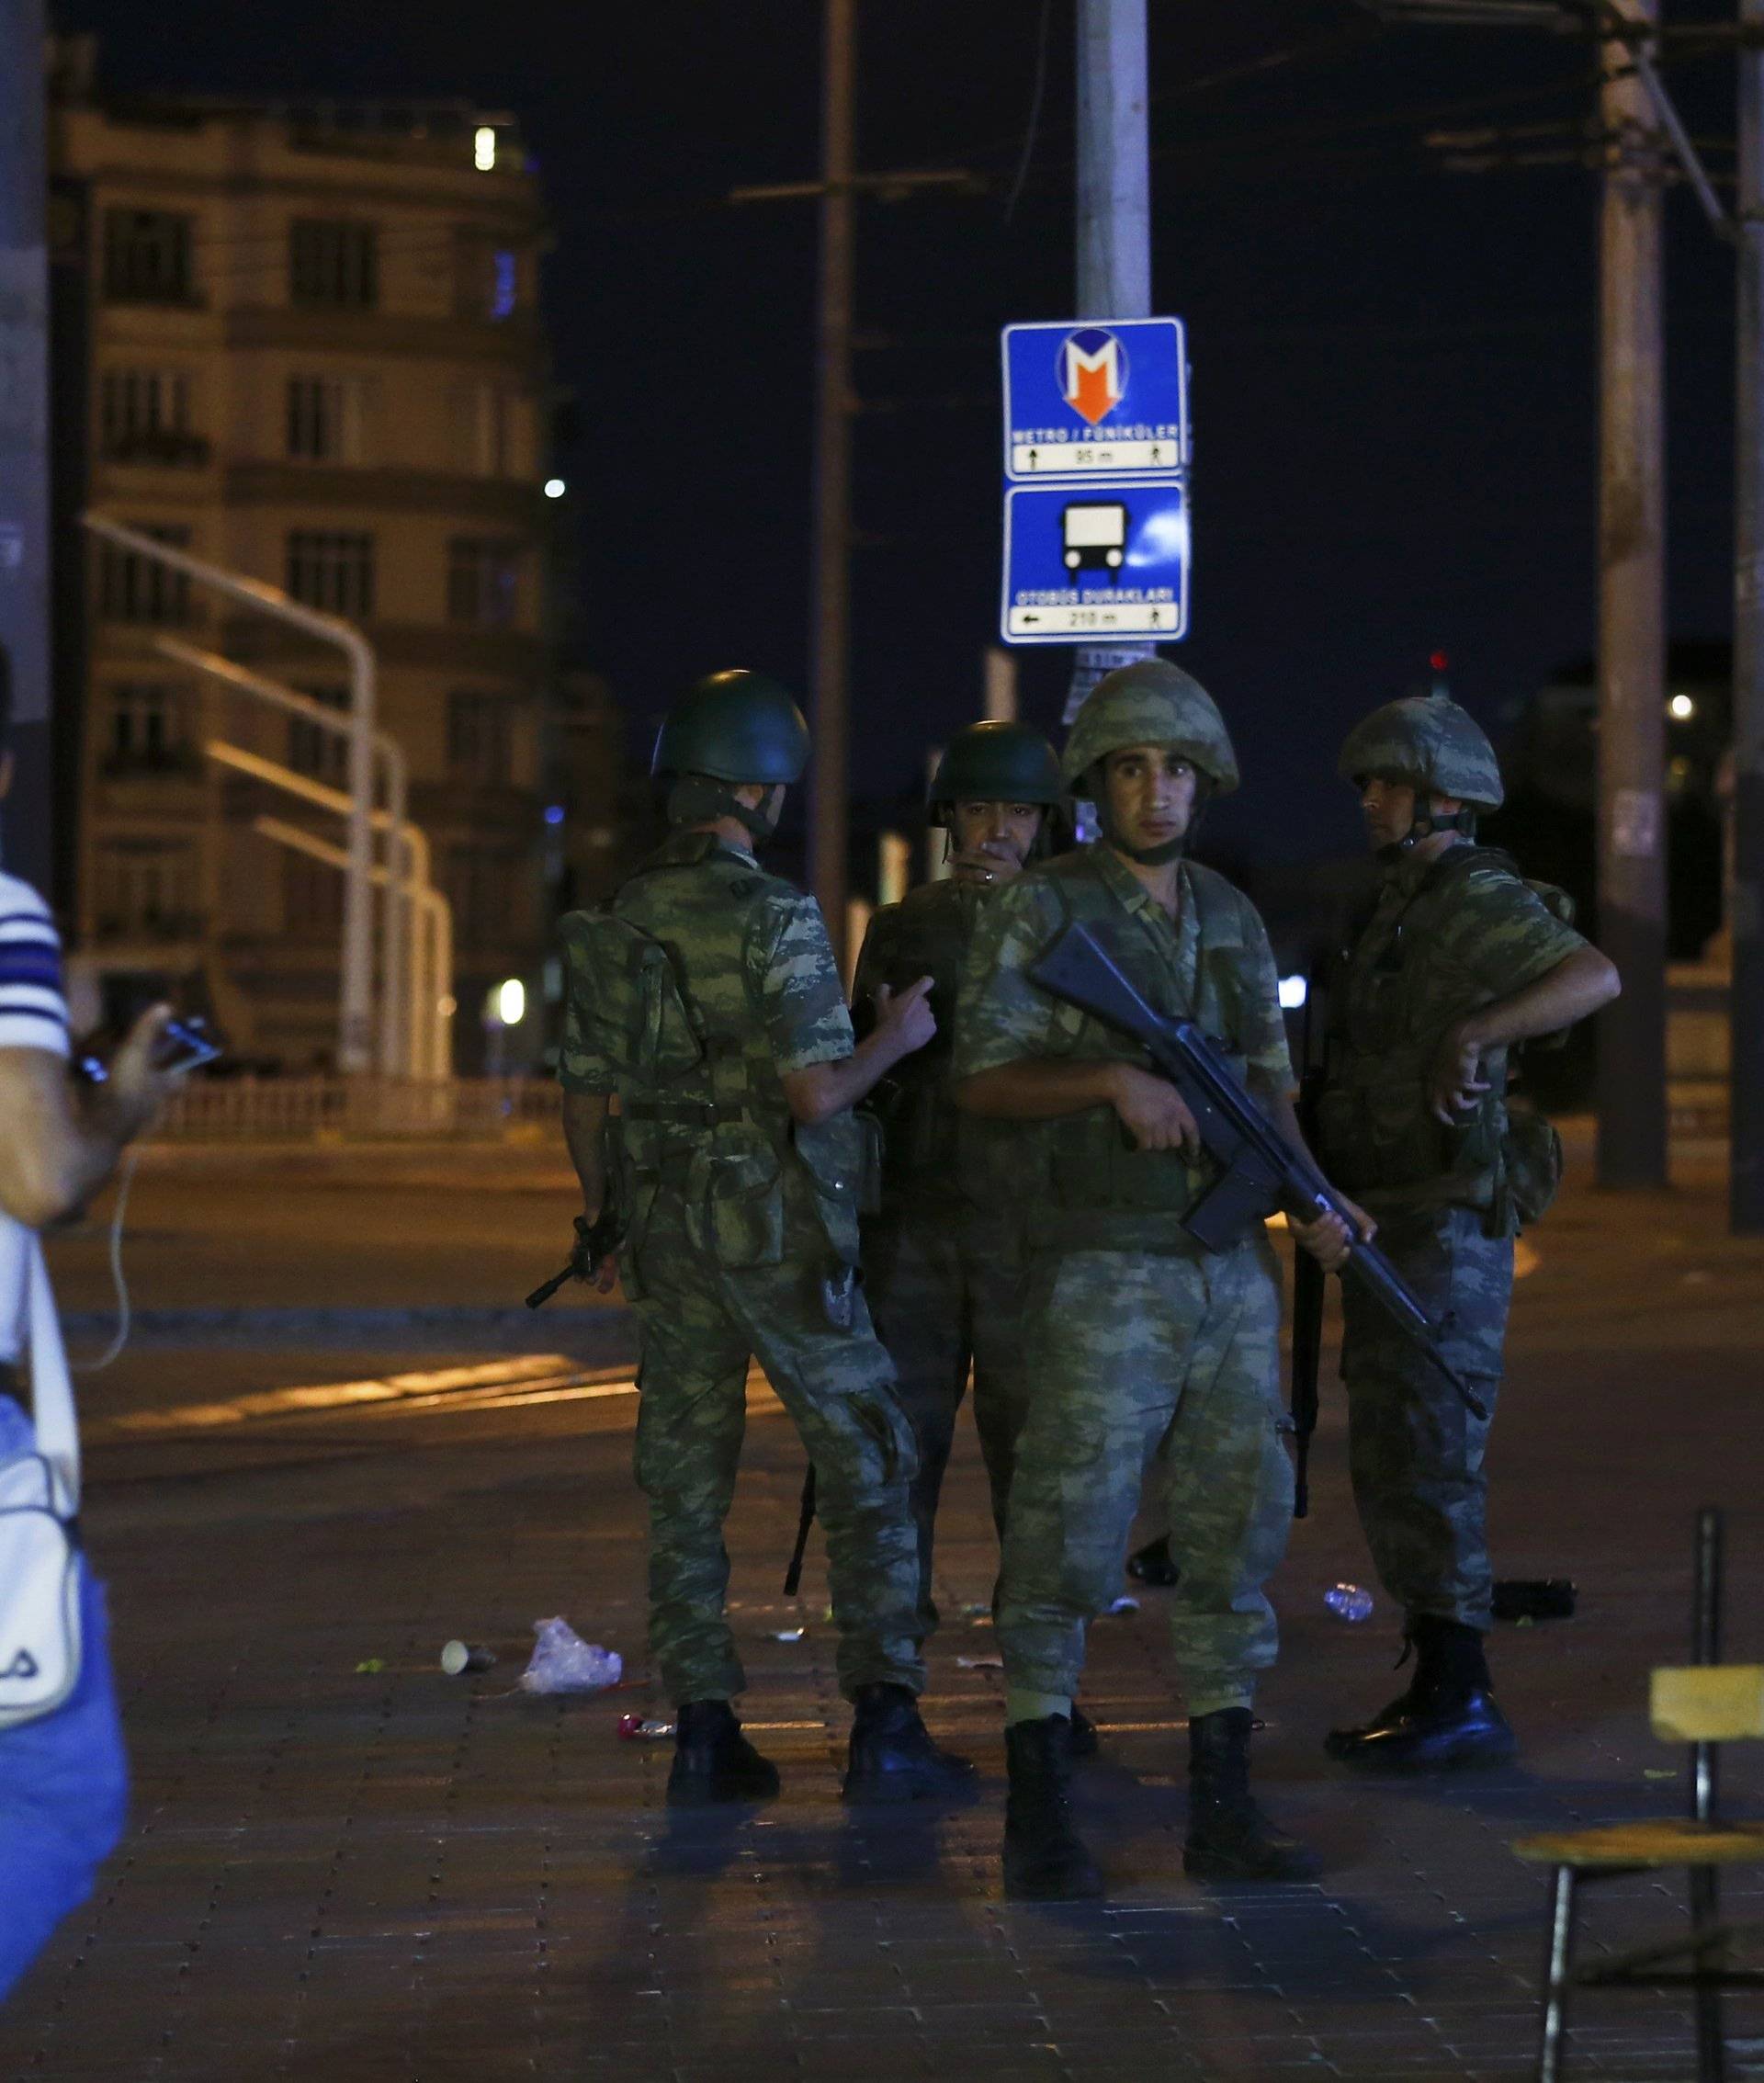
<point>335,1109</point>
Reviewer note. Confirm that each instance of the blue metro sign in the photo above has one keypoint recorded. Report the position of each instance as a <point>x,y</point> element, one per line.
<point>1095,397</point>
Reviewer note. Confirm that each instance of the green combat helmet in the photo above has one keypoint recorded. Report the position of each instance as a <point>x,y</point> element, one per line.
<point>1150,702</point>
<point>734,727</point>
<point>1435,746</point>
<point>993,763</point>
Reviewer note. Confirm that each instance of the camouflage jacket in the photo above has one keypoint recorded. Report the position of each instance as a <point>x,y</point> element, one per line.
<point>688,995</point>
<point>927,1143</point>
<point>1093,1188</point>
<point>1445,938</point>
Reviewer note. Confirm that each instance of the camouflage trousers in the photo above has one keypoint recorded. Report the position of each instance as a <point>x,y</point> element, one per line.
<point>1142,1357</point>
<point>945,1283</point>
<point>700,1323</point>
<point>1415,1451</point>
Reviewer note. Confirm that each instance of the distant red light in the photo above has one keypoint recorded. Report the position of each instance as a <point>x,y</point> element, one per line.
<point>1439,662</point>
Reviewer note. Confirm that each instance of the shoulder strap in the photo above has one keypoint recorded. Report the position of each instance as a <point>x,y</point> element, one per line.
<point>51,1390</point>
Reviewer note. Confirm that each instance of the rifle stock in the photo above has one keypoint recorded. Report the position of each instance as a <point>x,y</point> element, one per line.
<point>1260,1171</point>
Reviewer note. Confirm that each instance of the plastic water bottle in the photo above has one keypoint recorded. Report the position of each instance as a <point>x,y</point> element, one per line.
<point>1349,1603</point>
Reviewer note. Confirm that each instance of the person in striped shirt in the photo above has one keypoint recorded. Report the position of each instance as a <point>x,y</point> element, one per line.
<point>63,1777</point>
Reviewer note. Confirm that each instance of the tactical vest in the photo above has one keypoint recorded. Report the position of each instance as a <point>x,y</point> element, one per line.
<point>1393,1003</point>
<point>702,1111</point>
<point>1104,1192</point>
<point>928,1144</point>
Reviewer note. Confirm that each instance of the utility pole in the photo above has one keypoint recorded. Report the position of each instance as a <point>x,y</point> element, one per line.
<point>831,564</point>
<point>24,433</point>
<point>1746,901</point>
<point>1632,1150</point>
<point>1114,214</point>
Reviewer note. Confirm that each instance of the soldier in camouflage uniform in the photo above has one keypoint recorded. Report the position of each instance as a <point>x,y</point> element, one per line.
<point>1459,959</point>
<point>1146,1348</point>
<point>943,1257</point>
<point>703,998</point>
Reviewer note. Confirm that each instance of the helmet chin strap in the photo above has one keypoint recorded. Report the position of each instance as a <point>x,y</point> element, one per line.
<point>699,799</point>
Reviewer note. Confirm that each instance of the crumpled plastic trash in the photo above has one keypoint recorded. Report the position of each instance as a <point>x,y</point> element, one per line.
<point>563,1662</point>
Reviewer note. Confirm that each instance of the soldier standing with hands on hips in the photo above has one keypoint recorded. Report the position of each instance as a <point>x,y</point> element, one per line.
<point>1459,960</point>
<point>705,998</point>
<point>1147,1349</point>
<point>944,1258</point>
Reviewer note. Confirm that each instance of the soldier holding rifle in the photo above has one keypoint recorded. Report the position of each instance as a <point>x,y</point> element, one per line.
<point>1146,1345</point>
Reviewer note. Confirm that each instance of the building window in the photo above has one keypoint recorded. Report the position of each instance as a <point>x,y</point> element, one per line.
<point>149,256</point>
<point>311,897</point>
<point>148,727</point>
<point>313,750</point>
<point>333,264</point>
<point>327,419</point>
<point>488,421</point>
<point>482,887</point>
<point>144,417</point>
<point>333,570</point>
<point>147,887</point>
<point>136,589</point>
<point>481,581</point>
<point>481,738</point>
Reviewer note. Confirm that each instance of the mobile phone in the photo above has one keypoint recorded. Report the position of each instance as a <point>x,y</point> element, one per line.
<point>185,1046</point>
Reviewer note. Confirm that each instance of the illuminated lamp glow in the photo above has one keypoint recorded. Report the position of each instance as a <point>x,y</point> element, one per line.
<point>1294,991</point>
<point>484,148</point>
<point>510,1001</point>
<point>1682,708</point>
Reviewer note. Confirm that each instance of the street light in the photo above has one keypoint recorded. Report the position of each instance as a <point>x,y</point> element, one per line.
<point>510,1001</point>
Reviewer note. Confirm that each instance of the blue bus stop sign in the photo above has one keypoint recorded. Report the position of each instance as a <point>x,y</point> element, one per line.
<point>1093,396</point>
<point>1095,560</point>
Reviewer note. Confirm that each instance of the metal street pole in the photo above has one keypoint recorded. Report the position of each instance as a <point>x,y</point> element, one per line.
<point>403,1019</point>
<point>24,433</point>
<point>831,566</point>
<point>1632,1150</point>
<point>356,1010</point>
<point>1114,214</point>
<point>1746,903</point>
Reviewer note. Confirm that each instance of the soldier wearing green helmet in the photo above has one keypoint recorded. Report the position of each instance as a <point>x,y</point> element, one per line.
<point>705,996</point>
<point>1147,1350</point>
<point>942,1254</point>
<point>1458,960</point>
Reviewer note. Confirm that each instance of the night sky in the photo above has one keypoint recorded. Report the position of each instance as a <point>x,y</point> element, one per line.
<point>1393,365</point>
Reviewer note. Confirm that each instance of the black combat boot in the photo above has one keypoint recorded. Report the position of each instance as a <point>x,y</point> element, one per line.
<point>892,1756</point>
<point>1446,1721</point>
<point>714,1761</point>
<point>1229,1838</point>
<point>1044,1859</point>
<point>1084,1738</point>
<point>1152,1564</point>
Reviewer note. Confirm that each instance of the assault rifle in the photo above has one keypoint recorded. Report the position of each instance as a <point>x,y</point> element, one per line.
<point>594,1241</point>
<point>1259,1170</point>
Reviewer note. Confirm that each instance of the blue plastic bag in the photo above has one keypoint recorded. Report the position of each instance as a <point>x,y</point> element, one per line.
<point>63,1784</point>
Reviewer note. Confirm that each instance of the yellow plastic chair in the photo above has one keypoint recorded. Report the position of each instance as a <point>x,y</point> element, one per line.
<point>1705,1704</point>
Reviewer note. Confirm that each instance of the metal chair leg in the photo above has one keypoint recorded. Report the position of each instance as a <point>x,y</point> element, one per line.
<point>1558,1968</point>
<point>1705,1914</point>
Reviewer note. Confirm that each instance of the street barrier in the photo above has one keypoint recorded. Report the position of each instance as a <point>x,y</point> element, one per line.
<point>329,1109</point>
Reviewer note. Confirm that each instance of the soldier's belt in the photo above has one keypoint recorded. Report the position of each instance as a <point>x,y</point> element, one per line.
<point>690,1114</point>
